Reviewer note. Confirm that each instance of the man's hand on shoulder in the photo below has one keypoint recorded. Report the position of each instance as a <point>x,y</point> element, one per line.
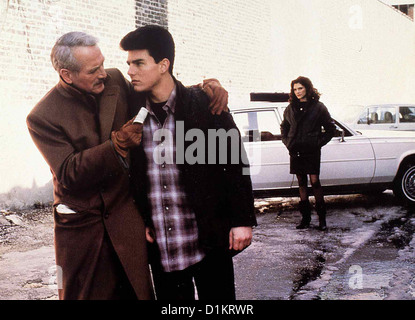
<point>217,94</point>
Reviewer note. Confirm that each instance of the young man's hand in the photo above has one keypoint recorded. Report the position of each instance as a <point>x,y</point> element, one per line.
<point>150,236</point>
<point>240,238</point>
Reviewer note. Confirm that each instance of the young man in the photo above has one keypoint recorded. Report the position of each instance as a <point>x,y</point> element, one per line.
<point>82,128</point>
<point>199,214</point>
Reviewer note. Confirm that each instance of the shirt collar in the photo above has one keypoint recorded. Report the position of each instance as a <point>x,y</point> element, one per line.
<point>170,104</point>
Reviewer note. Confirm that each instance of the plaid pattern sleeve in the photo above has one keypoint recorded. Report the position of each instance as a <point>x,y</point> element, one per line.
<point>173,219</point>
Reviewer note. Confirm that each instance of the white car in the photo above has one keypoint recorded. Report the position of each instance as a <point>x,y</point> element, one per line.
<point>386,117</point>
<point>352,162</point>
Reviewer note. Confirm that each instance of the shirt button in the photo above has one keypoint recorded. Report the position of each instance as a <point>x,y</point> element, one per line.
<point>164,187</point>
<point>167,208</point>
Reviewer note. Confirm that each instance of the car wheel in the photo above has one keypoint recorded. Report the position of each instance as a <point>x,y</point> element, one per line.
<point>405,183</point>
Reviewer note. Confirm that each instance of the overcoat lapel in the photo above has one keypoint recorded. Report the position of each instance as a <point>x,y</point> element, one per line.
<point>108,105</point>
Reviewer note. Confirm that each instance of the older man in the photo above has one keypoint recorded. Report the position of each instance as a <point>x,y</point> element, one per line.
<point>82,129</point>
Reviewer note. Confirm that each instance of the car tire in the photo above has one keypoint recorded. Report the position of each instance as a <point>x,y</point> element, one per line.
<point>404,187</point>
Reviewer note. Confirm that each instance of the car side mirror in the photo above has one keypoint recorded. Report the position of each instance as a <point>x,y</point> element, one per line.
<point>340,133</point>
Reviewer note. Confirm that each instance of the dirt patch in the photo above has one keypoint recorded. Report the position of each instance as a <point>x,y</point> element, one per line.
<point>26,229</point>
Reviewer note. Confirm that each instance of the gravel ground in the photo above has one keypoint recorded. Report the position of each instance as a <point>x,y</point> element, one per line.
<point>372,235</point>
<point>27,267</point>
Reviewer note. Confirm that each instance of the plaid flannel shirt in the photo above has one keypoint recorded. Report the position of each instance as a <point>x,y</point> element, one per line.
<point>173,219</point>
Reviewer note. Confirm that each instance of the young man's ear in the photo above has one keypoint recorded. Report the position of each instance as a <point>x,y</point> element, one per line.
<point>66,75</point>
<point>164,65</point>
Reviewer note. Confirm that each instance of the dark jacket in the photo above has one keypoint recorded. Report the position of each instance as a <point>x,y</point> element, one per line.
<point>89,178</point>
<point>302,131</point>
<point>220,195</point>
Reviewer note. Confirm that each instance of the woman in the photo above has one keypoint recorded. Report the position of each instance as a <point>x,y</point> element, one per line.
<point>303,135</point>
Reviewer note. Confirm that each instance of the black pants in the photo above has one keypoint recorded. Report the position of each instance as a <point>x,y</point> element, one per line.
<point>213,277</point>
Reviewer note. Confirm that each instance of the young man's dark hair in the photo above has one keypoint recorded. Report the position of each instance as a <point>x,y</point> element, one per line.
<point>155,39</point>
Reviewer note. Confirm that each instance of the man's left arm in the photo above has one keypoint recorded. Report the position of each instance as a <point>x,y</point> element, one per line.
<point>238,187</point>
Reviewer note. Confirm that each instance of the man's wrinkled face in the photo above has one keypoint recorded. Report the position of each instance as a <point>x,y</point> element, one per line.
<point>145,73</point>
<point>91,76</point>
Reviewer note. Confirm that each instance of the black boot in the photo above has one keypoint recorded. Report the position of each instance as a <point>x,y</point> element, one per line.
<point>321,212</point>
<point>305,210</point>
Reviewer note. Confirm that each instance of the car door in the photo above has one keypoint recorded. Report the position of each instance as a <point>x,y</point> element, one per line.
<point>347,161</point>
<point>268,157</point>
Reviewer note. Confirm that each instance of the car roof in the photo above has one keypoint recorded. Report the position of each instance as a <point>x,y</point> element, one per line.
<point>242,106</point>
<point>391,105</point>
<point>264,105</point>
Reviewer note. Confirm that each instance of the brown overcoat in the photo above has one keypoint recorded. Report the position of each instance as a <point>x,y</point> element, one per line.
<point>72,131</point>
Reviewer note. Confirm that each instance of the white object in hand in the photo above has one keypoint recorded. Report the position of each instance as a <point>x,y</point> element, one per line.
<point>141,116</point>
<point>61,208</point>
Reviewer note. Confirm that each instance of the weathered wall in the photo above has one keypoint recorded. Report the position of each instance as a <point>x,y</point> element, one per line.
<point>29,28</point>
<point>368,53</point>
<point>355,51</point>
<point>227,39</point>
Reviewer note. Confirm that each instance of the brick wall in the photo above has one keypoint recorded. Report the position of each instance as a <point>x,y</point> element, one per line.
<point>29,28</point>
<point>356,51</point>
<point>227,39</point>
<point>151,12</point>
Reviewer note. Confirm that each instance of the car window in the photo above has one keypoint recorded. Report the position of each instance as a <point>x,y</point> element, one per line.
<point>387,115</point>
<point>258,125</point>
<point>340,128</point>
<point>406,114</point>
<point>378,115</point>
<point>374,115</point>
<point>363,117</point>
<point>281,111</point>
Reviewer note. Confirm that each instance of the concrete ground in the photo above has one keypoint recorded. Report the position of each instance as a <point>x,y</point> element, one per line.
<point>367,253</point>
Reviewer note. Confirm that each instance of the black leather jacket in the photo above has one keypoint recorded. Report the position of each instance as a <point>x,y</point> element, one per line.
<point>302,131</point>
<point>220,194</point>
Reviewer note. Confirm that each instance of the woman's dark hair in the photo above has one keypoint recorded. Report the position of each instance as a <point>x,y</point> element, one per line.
<point>312,93</point>
<point>155,39</point>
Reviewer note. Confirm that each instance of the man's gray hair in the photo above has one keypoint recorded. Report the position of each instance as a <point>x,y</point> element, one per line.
<point>62,52</point>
